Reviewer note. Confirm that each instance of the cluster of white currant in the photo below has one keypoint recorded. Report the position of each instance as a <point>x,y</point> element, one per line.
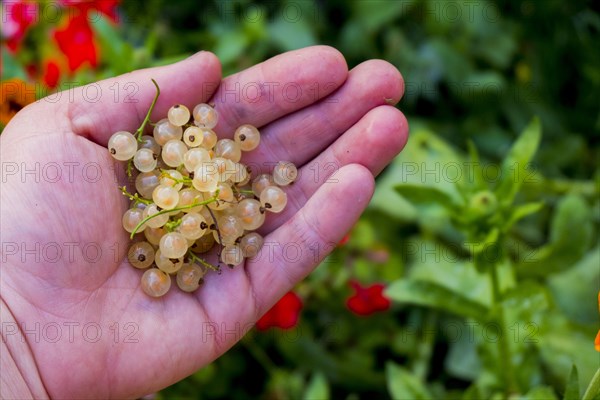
<point>193,192</point>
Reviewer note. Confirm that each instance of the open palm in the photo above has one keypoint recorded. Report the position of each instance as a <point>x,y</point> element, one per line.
<point>91,330</point>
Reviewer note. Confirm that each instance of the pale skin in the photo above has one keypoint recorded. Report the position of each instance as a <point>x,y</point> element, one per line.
<point>338,118</point>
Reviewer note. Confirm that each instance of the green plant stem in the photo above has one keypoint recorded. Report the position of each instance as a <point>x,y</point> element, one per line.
<point>195,258</point>
<point>506,366</point>
<point>142,222</point>
<point>140,130</point>
<point>593,388</point>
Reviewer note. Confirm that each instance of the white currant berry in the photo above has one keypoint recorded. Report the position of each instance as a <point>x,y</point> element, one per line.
<point>166,264</point>
<point>194,157</point>
<point>193,136</point>
<point>204,244</point>
<point>188,197</point>
<point>251,244</point>
<point>157,221</point>
<point>173,245</point>
<point>146,182</point>
<point>165,197</point>
<point>192,226</point>
<point>284,173</point>
<point>132,218</point>
<point>250,213</point>
<point>247,136</point>
<point>189,277</point>
<point>148,142</point>
<point>144,160</point>
<point>228,149</point>
<point>206,177</point>
<point>210,138</point>
<point>141,255</point>
<point>122,145</point>
<point>178,115</point>
<point>205,116</point>
<point>165,131</point>
<point>261,182</point>
<point>172,178</point>
<point>155,283</point>
<point>273,199</point>
<point>172,153</point>
<point>232,255</point>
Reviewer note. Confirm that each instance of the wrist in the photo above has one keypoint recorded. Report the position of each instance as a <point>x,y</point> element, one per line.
<point>20,377</point>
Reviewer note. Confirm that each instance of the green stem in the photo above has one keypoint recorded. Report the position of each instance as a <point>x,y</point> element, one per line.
<point>594,387</point>
<point>208,265</point>
<point>142,222</point>
<point>140,130</point>
<point>506,366</point>
<point>134,197</point>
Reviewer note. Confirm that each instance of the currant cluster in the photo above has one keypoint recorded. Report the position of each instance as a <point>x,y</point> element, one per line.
<point>192,192</point>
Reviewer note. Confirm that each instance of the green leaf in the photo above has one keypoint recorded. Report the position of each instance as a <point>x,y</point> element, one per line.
<point>420,194</point>
<point>521,212</point>
<point>514,167</point>
<point>402,384</point>
<point>10,66</point>
<point>290,34</point>
<point>572,389</point>
<point>540,393</point>
<point>484,244</point>
<point>318,388</point>
<point>429,294</point>
<point>570,236</point>
<point>593,389</point>
<point>231,45</point>
<point>115,51</point>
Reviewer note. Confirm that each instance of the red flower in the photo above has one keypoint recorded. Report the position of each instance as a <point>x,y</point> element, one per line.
<point>76,41</point>
<point>284,313</point>
<point>107,7</point>
<point>367,300</point>
<point>344,240</point>
<point>17,16</point>
<point>51,74</point>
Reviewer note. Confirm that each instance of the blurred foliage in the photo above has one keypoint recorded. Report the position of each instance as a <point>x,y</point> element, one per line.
<point>488,239</point>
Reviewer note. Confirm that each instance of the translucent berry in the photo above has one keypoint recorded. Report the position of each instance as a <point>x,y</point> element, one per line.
<point>132,218</point>
<point>172,178</point>
<point>165,197</point>
<point>172,153</point>
<point>228,149</point>
<point>284,173</point>
<point>192,226</point>
<point>146,182</point>
<point>232,255</point>
<point>173,245</point>
<point>261,182</point>
<point>155,283</point>
<point>194,157</point>
<point>178,115</point>
<point>247,136</point>
<point>205,116</point>
<point>153,235</point>
<point>251,244</point>
<point>122,145</point>
<point>273,199</point>
<point>144,160</point>
<point>193,136</point>
<point>204,244</point>
<point>141,255</point>
<point>165,131</point>
<point>188,197</point>
<point>250,214</point>
<point>206,177</point>
<point>148,142</point>
<point>168,265</point>
<point>157,221</point>
<point>189,277</point>
<point>210,138</point>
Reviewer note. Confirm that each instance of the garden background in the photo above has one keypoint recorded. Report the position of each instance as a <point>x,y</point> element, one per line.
<point>475,271</point>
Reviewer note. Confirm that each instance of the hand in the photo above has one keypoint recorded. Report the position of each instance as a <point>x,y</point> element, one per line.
<point>63,246</point>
